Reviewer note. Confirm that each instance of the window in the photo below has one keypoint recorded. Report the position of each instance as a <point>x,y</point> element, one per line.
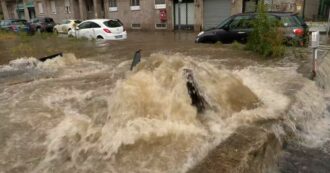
<point>289,21</point>
<point>112,23</point>
<point>53,7</point>
<point>94,25</point>
<point>65,21</point>
<point>136,26</point>
<point>135,5</point>
<point>113,5</point>
<point>159,1</point>
<point>135,2</point>
<point>35,20</point>
<point>41,8</point>
<point>160,4</point>
<point>241,22</point>
<point>67,6</point>
<point>49,20</point>
<point>161,26</point>
<point>84,25</point>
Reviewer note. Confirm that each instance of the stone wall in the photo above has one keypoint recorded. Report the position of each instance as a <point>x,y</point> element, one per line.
<point>147,16</point>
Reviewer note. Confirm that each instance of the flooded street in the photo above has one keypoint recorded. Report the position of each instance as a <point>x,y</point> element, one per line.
<point>87,112</point>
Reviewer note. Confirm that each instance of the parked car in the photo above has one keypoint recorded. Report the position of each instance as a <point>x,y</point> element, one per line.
<point>66,26</point>
<point>107,29</point>
<point>238,27</point>
<point>15,25</point>
<point>42,24</point>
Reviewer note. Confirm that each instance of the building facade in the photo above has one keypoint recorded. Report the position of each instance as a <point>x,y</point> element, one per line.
<point>149,14</point>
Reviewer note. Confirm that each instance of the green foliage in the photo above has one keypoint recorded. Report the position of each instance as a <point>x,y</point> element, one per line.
<point>327,2</point>
<point>266,37</point>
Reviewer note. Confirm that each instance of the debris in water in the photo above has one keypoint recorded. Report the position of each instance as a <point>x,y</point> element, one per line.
<point>136,59</point>
<point>50,57</point>
<point>197,99</point>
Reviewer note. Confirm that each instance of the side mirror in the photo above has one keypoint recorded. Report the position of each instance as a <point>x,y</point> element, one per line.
<point>77,27</point>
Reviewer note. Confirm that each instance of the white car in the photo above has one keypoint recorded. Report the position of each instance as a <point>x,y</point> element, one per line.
<point>66,26</point>
<point>107,29</point>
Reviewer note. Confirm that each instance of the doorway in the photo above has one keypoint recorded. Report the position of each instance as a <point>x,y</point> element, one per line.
<point>184,15</point>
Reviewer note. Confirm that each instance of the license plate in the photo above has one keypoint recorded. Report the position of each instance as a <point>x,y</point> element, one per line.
<point>118,36</point>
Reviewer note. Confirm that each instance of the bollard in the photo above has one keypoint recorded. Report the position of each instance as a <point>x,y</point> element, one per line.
<point>315,46</point>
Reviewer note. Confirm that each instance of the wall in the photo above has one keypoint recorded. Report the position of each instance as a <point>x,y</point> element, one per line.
<point>236,6</point>
<point>60,14</point>
<point>147,16</point>
<point>311,9</point>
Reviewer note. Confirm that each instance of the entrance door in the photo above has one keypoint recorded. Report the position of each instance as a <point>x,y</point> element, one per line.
<point>186,18</point>
<point>215,11</point>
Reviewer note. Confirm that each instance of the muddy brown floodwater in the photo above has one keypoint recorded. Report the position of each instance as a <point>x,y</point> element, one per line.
<point>87,112</point>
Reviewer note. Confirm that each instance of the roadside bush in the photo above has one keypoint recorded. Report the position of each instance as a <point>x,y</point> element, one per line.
<point>266,37</point>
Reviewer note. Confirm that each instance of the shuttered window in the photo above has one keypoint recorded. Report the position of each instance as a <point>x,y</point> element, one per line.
<point>135,2</point>
<point>159,1</point>
<point>113,3</point>
<point>40,7</point>
<point>53,6</point>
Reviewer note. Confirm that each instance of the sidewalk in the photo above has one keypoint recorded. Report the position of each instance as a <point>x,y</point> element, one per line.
<point>317,26</point>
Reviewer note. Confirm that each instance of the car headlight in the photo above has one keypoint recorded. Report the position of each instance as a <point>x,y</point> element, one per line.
<point>200,33</point>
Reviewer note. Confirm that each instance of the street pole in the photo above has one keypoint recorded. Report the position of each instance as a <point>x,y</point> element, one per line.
<point>328,27</point>
<point>303,12</point>
<point>315,46</point>
<point>179,15</point>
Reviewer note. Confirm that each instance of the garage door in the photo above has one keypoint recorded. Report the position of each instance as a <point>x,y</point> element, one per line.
<point>215,11</point>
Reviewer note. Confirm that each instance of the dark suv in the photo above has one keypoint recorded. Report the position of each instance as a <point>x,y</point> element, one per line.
<point>42,24</point>
<point>238,27</point>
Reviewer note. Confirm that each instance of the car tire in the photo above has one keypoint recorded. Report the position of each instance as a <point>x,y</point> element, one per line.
<point>99,38</point>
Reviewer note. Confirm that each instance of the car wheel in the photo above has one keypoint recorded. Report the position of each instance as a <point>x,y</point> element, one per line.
<point>38,30</point>
<point>99,38</point>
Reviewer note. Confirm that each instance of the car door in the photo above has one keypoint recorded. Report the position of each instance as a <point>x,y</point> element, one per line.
<point>65,26</point>
<point>60,27</point>
<point>94,30</point>
<point>240,28</point>
<point>84,30</point>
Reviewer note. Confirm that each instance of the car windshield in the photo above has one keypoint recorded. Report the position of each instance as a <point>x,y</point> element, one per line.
<point>112,23</point>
